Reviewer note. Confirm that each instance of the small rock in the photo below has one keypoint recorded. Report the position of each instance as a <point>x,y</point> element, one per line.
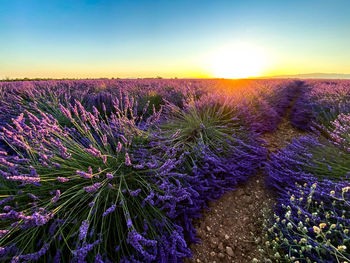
<point>221,233</point>
<point>208,228</point>
<point>227,237</point>
<point>214,240</point>
<point>221,246</point>
<point>258,240</point>
<point>229,251</point>
<point>198,260</point>
<point>212,254</point>
<point>221,255</point>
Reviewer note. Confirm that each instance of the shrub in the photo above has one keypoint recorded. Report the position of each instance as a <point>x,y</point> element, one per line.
<point>75,184</point>
<point>219,152</point>
<point>211,121</point>
<point>311,224</point>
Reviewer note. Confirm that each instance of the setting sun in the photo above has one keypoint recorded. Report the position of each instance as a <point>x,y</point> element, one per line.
<point>237,61</point>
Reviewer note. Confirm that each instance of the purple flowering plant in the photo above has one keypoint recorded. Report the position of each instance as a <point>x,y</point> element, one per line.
<point>311,179</point>
<point>87,178</point>
<point>311,224</point>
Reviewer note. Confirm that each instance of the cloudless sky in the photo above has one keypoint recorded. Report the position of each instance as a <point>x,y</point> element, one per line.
<point>75,38</point>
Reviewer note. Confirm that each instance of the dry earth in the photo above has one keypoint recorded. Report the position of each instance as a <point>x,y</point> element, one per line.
<point>228,228</point>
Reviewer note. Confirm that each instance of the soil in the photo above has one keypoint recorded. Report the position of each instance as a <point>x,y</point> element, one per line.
<point>231,229</point>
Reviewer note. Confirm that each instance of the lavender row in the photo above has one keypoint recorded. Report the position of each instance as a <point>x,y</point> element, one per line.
<point>320,102</point>
<point>118,186</point>
<point>311,178</point>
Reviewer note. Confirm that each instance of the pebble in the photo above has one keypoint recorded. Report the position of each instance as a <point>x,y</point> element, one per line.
<point>198,260</point>
<point>214,240</point>
<point>221,255</point>
<point>208,228</point>
<point>229,251</point>
<point>221,246</point>
<point>227,237</point>
<point>212,254</point>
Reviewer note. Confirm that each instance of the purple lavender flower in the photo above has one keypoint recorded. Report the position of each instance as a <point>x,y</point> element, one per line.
<point>139,242</point>
<point>84,174</point>
<point>7,199</point>
<point>62,179</point>
<point>34,197</point>
<point>93,151</point>
<point>122,137</point>
<point>83,229</point>
<point>24,179</point>
<point>109,210</point>
<point>92,188</point>
<point>56,197</point>
<point>104,140</point>
<point>135,193</point>
<point>119,147</point>
<point>127,159</point>
<point>98,259</point>
<point>129,223</point>
<point>81,252</point>
<point>57,165</point>
<point>33,256</point>
<point>57,258</point>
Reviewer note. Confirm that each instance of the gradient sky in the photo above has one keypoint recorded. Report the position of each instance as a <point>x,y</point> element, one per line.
<point>61,38</point>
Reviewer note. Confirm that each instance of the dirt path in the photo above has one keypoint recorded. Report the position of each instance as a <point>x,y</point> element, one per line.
<point>226,230</point>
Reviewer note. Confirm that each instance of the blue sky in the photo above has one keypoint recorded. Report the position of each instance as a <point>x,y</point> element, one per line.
<point>168,38</point>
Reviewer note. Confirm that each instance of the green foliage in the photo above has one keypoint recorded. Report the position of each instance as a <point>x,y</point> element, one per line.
<point>212,122</point>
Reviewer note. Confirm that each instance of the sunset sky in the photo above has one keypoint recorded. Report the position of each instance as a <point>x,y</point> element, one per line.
<point>175,38</point>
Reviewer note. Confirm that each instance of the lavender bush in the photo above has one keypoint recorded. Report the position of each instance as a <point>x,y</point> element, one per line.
<point>77,183</point>
<point>219,151</point>
<point>311,224</point>
<point>311,178</point>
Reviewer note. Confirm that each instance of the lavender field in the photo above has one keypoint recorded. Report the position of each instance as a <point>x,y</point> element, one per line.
<point>119,170</point>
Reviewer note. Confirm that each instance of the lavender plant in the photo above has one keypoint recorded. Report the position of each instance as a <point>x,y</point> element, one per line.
<point>311,224</point>
<point>219,151</point>
<point>211,120</point>
<point>78,183</point>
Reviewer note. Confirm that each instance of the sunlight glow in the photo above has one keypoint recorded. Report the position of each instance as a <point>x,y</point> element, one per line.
<point>237,61</point>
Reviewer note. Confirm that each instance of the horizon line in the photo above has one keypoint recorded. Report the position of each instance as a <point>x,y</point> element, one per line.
<point>282,76</point>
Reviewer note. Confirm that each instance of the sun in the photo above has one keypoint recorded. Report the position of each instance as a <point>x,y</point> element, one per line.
<point>237,61</point>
